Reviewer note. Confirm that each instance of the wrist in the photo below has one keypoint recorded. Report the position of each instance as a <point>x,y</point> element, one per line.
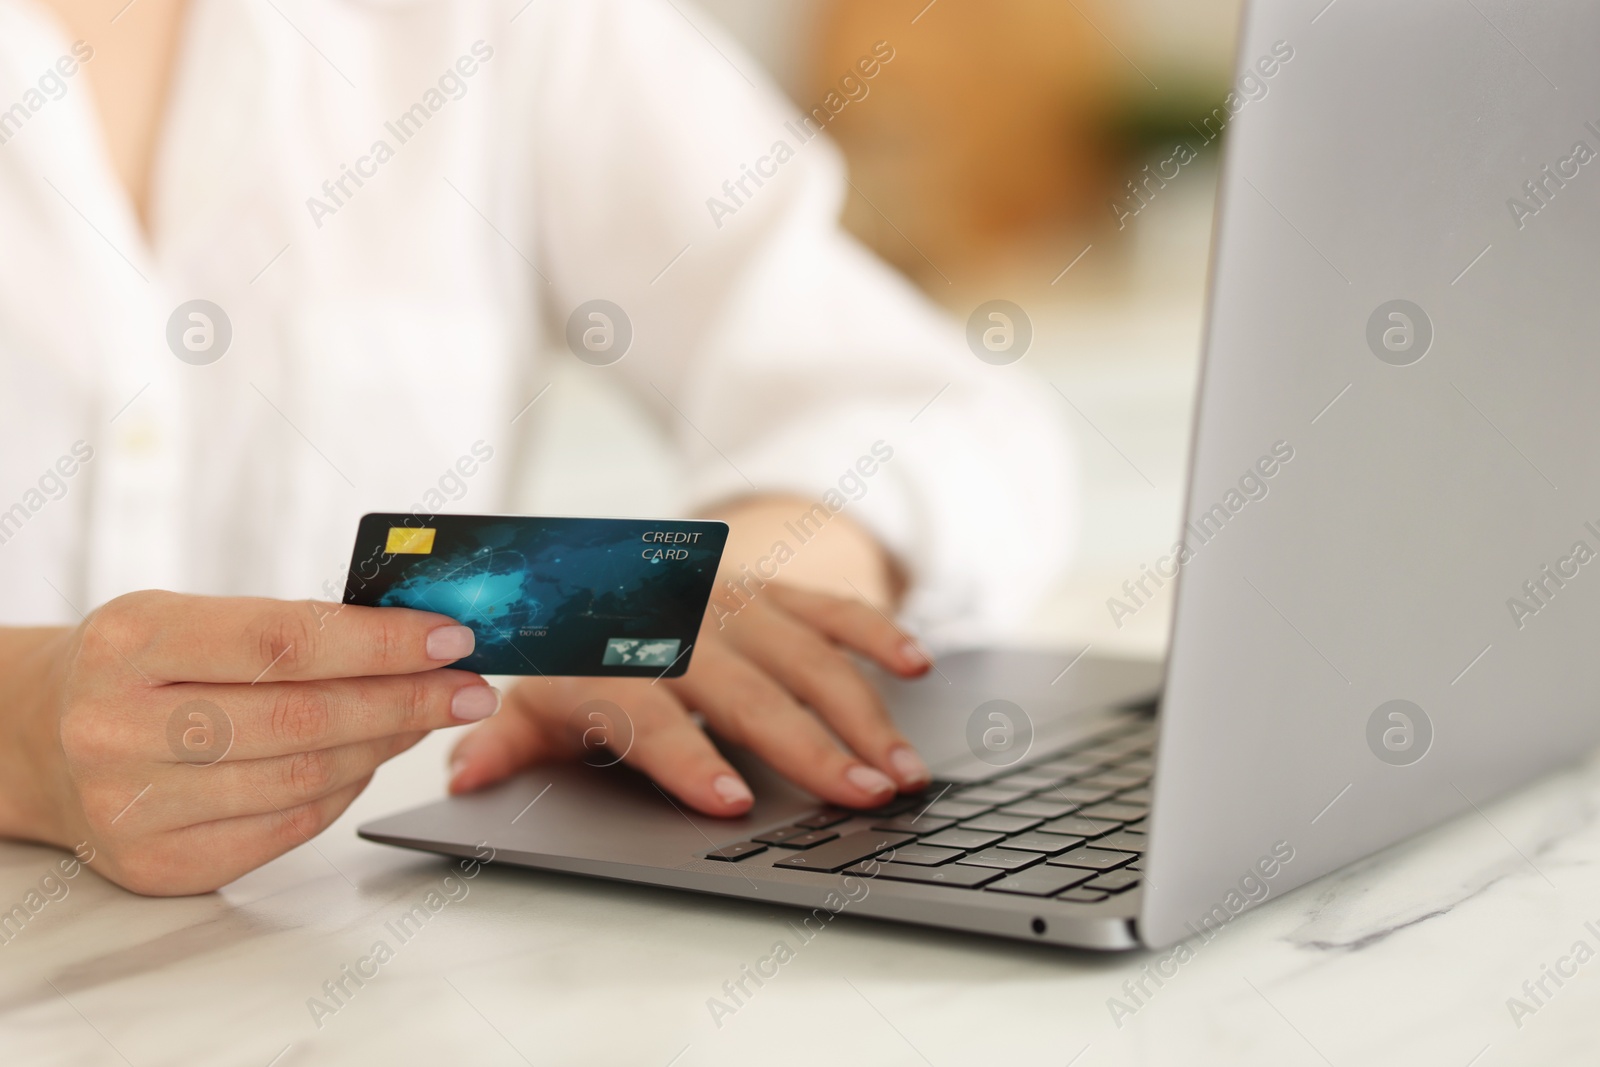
<point>782,538</point>
<point>30,750</point>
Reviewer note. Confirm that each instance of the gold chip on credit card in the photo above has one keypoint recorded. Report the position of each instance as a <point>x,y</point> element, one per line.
<point>403,540</point>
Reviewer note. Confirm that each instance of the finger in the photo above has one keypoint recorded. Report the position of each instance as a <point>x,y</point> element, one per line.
<point>749,708</point>
<point>273,833</point>
<point>168,637</point>
<point>676,753</point>
<point>825,679</point>
<point>288,718</point>
<point>642,725</point>
<point>857,625</point>
<point>499,748</point>
<point>201,858</point>
<point>253,787</point>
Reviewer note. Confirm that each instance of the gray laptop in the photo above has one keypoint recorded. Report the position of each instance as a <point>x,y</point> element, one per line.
<point>1388,580</point>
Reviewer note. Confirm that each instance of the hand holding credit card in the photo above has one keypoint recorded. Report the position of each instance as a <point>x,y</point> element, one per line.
<point>599,598</point>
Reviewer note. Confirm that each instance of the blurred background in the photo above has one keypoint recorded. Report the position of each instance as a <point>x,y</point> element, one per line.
<point>994,158</point>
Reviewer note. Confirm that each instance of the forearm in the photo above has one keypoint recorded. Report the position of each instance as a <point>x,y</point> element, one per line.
<point>775,538</point>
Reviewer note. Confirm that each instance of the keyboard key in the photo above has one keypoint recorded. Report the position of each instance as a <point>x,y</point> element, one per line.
<point>1033,779</point>
<point>1115,811</point>
<point>991,794</point>
<point>1092,859</point>
<point>1081,896</point>
<point>1070,765</point>
<point>1079,794</point>
<point>1135,796</point>
<point>781,834</point>
<point>1039,881</point>
<point>824,819</point>
<point>1040,806</point>
<point>1005,824</point>
<point>1114,781</point>
<point>923,856</point>
<point>956,809</point>
<point>732,853</point>
<point>966,840</point>
<point>1049,844</point>
<point>1078,826</point>
<point>1123,840</point>
<point>839,854</point>
<point>1113,881</point>
<point>1004,858</point>
<point>897,806</point>
<point>953,875</point>
<point>809,839</point>
<point>910,823</point>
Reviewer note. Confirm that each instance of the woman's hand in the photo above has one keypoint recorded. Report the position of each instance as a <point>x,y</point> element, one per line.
<point>769,674</point>
<point>189,740</point>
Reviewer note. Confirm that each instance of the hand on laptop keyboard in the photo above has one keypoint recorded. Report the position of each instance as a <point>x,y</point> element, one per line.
<point>1069,826</point>
<point>752,679</point>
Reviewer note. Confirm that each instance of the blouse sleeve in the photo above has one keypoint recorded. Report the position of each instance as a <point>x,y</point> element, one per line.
<point>676,184</point>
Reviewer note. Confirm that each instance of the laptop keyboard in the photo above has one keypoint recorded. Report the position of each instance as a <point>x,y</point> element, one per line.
<point>1069,826</point>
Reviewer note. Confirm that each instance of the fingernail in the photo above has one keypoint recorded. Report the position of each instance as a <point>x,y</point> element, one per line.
<point>909,766</point>
<point>457,765</point>
<point>868,780</point>
<point>913,655</point>
<point>451,642</point>
<point>474,702</point>
<point>731,789</point>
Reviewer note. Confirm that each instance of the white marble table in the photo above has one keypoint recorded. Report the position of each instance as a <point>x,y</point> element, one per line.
<point>1407,959</point>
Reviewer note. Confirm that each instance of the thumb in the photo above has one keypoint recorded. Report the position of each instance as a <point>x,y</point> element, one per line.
<point>498,748</point>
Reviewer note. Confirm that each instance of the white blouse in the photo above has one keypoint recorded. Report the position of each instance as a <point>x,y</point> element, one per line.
<point>397,206</point>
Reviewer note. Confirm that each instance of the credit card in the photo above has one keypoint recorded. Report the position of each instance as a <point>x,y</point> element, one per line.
<point>599,598</point>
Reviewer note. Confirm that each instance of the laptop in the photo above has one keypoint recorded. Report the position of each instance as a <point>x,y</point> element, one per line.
<point>1388,575</point>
